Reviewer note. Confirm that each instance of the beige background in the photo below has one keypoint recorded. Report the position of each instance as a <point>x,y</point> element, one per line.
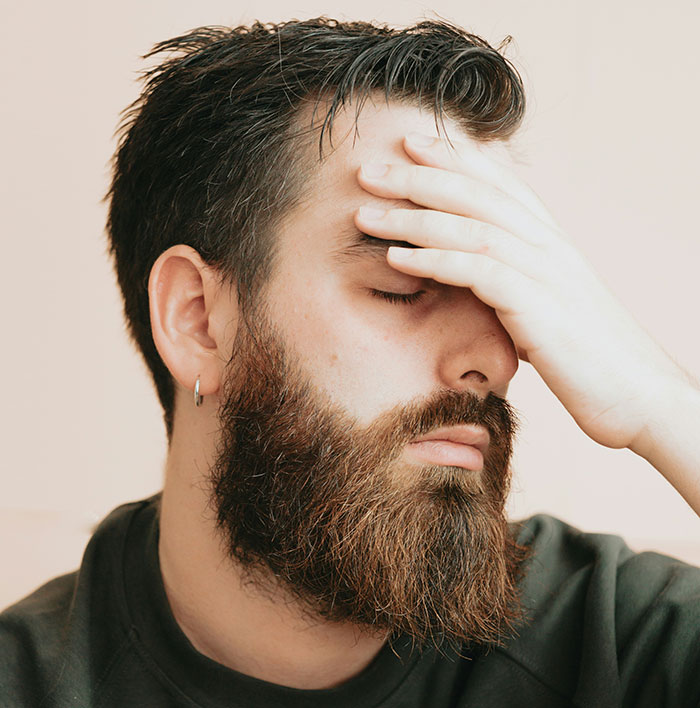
<point>611,144</point>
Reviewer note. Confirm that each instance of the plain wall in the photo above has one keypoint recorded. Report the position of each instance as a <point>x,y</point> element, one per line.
<point>610,143</point>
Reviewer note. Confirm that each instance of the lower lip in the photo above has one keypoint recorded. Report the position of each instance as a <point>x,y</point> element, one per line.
<point>445,452</point>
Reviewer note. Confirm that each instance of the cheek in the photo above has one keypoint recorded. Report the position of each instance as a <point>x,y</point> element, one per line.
<point>362,363</point>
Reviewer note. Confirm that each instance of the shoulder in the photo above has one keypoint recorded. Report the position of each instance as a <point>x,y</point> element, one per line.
<point>46,637</point>
<point>563,554</point>
<point>29,640</point>
<point>598,611</point>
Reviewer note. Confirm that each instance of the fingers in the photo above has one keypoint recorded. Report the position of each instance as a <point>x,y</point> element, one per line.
<point>456,194</point>
<point>494,283</point>
<point>440,230</point>
<point>470,158</point>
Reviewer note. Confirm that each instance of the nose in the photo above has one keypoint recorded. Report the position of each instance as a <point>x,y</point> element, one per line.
<point>476,352</point>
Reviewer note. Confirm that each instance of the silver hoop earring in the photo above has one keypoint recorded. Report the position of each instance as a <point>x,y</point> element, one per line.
<point>197,398</point>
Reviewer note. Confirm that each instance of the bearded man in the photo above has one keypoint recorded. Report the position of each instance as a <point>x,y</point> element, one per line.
<point>332,274</point>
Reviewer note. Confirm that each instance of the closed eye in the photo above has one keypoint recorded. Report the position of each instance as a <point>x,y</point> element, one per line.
<point>399,298</point>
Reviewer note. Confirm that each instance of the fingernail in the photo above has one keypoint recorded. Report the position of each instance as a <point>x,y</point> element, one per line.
<point>420,140</point>
<point>374,170</point>
<point>371,214</point>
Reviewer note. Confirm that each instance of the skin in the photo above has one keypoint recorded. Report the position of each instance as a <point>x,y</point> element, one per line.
<point>485,230</point>
<point>500,282</point>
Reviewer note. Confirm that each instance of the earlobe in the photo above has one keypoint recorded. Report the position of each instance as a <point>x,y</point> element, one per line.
<point>183,296</point>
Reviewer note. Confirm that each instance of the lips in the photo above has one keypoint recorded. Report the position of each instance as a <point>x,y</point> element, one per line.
<point>459,446</point>
<point>472,435</point>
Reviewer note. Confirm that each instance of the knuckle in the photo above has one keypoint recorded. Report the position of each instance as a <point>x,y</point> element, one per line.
<point>412,178</point>
<point>426,227</point>
<point>476,233</point>
<point>485,239</point>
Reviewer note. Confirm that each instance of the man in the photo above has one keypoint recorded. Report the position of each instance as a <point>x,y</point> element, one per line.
<point>332,275</point>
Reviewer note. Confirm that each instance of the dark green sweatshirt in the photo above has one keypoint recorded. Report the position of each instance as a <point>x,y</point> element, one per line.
<point>607,627</point>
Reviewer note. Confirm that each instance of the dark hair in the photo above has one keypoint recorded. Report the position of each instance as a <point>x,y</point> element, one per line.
<point>209,154</point>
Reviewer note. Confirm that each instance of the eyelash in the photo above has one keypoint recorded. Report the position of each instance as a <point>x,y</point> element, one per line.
<point>399,298</point>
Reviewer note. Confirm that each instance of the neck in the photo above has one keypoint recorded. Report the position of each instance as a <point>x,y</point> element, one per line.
<point>253,633</point>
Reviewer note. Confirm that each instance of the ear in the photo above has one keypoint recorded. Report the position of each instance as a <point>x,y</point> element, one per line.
<point>191,318</point>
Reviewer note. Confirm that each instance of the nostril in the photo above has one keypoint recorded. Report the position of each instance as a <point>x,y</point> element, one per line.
<point>480,378</point>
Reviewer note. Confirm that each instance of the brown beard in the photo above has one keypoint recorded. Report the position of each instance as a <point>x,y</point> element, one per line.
<point>316,507</point>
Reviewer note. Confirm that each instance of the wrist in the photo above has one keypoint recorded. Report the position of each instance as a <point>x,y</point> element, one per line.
<point>675,406</point>
<point>670,440</point>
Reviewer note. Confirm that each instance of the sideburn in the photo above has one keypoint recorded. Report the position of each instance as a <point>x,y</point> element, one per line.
<point>321,512</point>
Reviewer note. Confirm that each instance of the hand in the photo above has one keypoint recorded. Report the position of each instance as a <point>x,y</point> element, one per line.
<point>483,229</point>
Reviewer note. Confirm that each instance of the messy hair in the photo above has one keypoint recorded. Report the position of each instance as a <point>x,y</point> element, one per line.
<point>211,155</point>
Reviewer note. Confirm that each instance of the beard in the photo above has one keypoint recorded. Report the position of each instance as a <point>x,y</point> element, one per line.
<point>322,512</point>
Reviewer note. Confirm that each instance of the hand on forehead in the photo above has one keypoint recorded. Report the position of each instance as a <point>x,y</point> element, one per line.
<point>376,135</point>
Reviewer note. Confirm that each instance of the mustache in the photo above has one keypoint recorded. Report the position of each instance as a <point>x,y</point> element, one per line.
<point>449,407</point>
<point>392,430</point>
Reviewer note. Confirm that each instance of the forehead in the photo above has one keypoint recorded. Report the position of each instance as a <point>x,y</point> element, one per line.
<point>323,221</point>
<point>375,135</point>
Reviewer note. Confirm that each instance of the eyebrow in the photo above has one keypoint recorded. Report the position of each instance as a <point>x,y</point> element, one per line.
<point>359,246</point>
